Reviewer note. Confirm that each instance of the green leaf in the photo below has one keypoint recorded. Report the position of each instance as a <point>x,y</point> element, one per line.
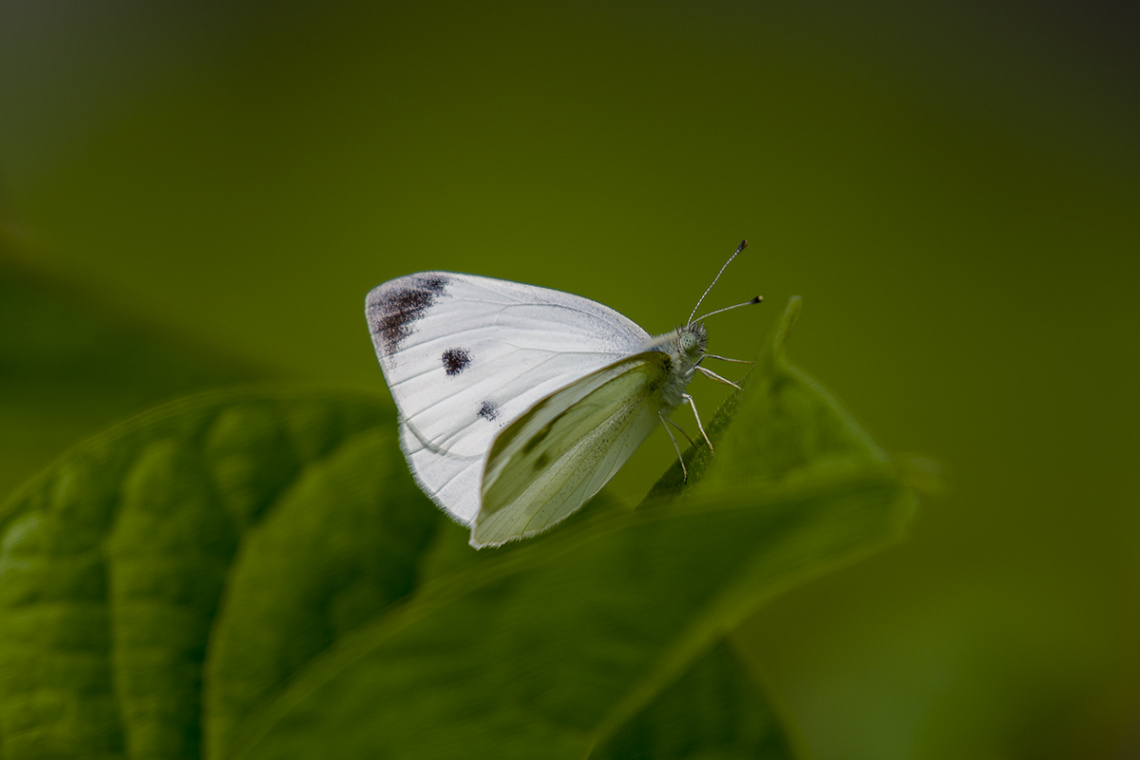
<point>129,572</point>
<point>256,575</point>
<point>712,712</point>
<point>553,647</point>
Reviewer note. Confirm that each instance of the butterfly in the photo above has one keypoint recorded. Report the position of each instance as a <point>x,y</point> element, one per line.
<point>518,403</point>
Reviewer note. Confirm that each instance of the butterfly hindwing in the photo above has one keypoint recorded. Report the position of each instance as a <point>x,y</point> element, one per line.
<point>567,446</point>
<point>465,356</point>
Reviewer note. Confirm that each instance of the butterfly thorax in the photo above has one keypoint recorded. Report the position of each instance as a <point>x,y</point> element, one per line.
<point>685,347</point>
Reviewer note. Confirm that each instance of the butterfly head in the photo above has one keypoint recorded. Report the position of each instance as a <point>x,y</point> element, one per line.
<point>692,339</point>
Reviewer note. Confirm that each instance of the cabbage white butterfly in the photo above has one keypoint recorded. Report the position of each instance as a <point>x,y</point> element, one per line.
<point>518,403</point>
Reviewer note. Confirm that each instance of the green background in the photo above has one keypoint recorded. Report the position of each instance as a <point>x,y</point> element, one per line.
<point>954,189</point>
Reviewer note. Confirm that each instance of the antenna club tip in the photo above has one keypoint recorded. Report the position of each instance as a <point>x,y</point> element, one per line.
<point>743,245</point>
<point>757,299</point>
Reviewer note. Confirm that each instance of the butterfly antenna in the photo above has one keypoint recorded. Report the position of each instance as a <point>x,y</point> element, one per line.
<point>756,300</point>
<point>739,248</point>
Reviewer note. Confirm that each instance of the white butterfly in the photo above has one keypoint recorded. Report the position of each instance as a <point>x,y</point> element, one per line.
<point>518,403</point>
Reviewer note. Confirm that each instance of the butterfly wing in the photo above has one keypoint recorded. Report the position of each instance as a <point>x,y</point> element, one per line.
<point>562,451</point>
<point>465,356</point>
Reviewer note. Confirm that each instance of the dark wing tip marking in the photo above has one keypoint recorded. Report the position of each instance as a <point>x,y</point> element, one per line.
<point>489,411</point>
<point>391,316</point>
<point>455,360</point>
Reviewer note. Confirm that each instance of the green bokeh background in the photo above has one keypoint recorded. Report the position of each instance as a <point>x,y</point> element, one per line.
<point>953,188</point>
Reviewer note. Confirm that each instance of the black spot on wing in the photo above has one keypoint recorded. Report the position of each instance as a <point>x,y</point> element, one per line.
<point>489,411</point>
<point>455,360</point>
<point>393,315</point>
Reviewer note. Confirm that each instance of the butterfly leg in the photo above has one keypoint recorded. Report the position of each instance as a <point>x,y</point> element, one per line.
<point>681,459</point>
<point>714,376</point>
<point>726,359</point>
<point>700,427</point>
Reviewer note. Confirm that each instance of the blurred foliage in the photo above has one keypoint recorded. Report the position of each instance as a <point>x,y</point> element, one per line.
<point>952,187</point>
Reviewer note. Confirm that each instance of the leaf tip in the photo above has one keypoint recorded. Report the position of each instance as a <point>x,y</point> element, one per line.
<point>924,475</point>
<point>788,320</point>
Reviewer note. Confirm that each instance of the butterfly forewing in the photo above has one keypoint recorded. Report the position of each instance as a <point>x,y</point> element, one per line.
<point>564,449</point>
<point>465,356</point>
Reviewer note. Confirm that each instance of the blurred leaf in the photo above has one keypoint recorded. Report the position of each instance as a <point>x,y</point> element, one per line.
<point>220,578</point>
<point>70,365</point>
<point>122,565</point>
<point>554,646</point>
<point>712,712</point>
